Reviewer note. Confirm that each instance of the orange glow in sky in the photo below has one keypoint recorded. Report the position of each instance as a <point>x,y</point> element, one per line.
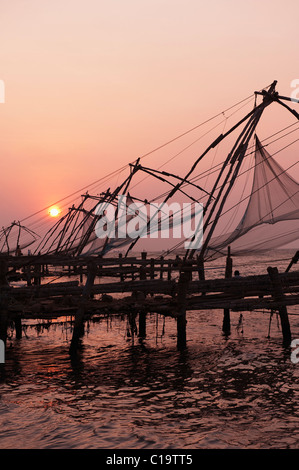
<point>92,85</point>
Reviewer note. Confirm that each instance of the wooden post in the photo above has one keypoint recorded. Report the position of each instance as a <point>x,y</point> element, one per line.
<point>142,325</point>
<point>294,260</point>
<point>200,268</point>
<point>81,273</point>
<point>37,275</point>
<point>181,317</point>
<point>169,272</point>
<point>226,312</point>
<point>201,271</point>
<point>132,274</point>
<point>27,271</point>
<point>100,266</point>
<point>142,273</point>
<point>161,267</point>
<point>283,313</point>
<point>18,327</point>
<point>132,322</point>
<point>120,256</point>
<point>152,269</point>
<point>3,272</point>
<point>3,317</point>
<point>79,317</point>
<point>229,264</point>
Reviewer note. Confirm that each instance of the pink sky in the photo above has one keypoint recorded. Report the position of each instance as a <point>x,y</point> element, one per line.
<point>91,85</point>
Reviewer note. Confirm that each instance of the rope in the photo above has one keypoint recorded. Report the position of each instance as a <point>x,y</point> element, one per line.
<point>115,172</point>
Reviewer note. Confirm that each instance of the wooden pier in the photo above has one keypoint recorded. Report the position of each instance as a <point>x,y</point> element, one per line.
<point>142,285</point>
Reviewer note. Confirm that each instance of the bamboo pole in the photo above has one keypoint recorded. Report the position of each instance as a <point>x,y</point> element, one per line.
<point>79,317</point>
<point>3,317</point>
<point>283,313</point>
<point>18,326</point>
<point>181,308</point>
<point>142,325</point>
<point>226,312</point>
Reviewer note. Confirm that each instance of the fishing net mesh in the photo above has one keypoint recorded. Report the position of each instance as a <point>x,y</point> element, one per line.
<point>271,218</point>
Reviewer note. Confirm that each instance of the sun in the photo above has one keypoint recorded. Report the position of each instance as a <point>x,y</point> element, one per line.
<point>54,211</point>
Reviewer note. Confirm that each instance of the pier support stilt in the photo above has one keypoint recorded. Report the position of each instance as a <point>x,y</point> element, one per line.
<point>18,327</point>
<point>181,331</point>
<point>162,265</point>
<point>226,321</point>
<point>3,318</point>
<point>142,325</point>
<point>181,313</point>
<point>79,317</point>
<point>3,303</point>
<point>226,312</point>
<point>283,313</point>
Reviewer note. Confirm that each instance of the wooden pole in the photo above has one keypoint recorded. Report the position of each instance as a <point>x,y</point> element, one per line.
<point>142,273</point>
<point>152,269</point>
<point>3,302</point>
<point>120,256</point>
<point>169,272</point>
<point>161,267</point>
<point>81,274</point>
<point>3,318</point>
<point>79,317</point>
<point>181,302</point>
<point>200,268</point>
<point>3,272</point>
<point>142,325</point>
<point>283,313</point>
<point>294,260</point>
<point>37,275</point>
<point>27,271</point>
<point>18,326</point>
<point>226,312</point>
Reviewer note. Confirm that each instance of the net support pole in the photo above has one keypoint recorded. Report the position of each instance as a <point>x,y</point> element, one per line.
<point>181,307</point>
<point>3,318</point>
<point>283,313</point>
<point>226,311</point>
<point>142,324</point>
<point>294,260</point>
<point>79,317</point>
<point>18,326</point>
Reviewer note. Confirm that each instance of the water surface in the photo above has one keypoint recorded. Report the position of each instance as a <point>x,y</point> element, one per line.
<point>124,392</point>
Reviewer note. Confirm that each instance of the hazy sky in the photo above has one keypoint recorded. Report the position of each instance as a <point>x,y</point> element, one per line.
<point>93,84</point>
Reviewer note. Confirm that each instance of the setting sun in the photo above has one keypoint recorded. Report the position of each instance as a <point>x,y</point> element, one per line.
<point>54,212</point>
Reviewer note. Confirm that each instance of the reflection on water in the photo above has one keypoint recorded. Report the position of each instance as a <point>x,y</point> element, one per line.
<point>126,393</point>
<point>123,392</point>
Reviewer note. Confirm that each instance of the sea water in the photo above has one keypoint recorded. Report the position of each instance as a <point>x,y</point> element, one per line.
<point>121,392</point>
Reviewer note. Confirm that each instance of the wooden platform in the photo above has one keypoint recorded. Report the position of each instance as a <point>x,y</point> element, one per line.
<point>164,286</point>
